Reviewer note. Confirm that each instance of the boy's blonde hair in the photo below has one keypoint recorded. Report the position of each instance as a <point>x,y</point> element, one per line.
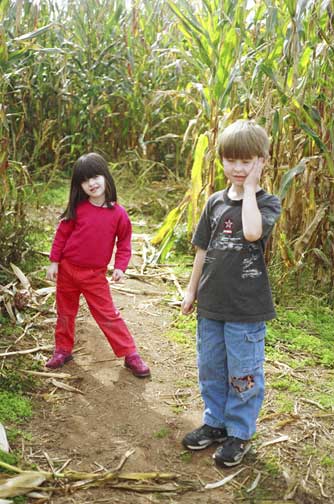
<point>243,139</point>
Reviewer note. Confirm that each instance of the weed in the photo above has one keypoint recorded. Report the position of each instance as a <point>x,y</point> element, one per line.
<point>307,328</point>
<point>272,466</point>
<point>177,409</point>
<point>21,499</point>
<point>14,407</point>
<point>13,381</point>
<point>327,461</point>
<point>286,383</point>
<point>183,332</point>
<point>325,399</point>
<point>162,433</point>
<point>8,458</point>
<point>285,403</point>
<point>310,450</point>
<point>13,434</point>
<point>178,337</point>
<point>185,382</point>
<point>186,456</point>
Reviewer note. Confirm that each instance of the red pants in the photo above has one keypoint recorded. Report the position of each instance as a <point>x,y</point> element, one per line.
<point>92,283</point>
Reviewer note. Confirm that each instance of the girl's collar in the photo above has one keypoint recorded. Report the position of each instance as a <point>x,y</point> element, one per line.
<point>104,204</point>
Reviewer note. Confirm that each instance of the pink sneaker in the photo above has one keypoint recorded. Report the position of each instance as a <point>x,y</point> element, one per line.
<point>137,365</point>
<point>58,359</point>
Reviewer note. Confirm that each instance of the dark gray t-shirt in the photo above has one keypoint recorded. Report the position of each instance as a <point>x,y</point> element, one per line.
<point>234,284</point>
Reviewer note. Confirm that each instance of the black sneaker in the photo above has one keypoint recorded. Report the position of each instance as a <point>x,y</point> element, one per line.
<point>203,437</point>
<point>232,452</point>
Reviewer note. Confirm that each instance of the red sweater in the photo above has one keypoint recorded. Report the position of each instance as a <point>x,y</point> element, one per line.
<point>88,240</point>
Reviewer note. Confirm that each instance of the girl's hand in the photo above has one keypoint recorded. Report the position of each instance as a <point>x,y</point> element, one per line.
<point>117,275</point>
<point>187,305</point>
<point>52,271</point>
<point>253,178</point>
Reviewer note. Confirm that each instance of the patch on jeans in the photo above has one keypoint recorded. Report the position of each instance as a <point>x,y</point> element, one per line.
<point>242,384</point>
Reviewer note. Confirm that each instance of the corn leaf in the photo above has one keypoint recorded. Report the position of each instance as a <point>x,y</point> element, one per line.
<point>196,175</point>
<point>35,33</point>
<point>21,276</point>
<point>288,178</point>
<point>21,484</point>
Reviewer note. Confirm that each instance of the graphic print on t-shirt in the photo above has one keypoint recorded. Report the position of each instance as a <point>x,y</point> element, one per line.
<point>248,269</point>
<point>228,227</point>
<point>228,236</point>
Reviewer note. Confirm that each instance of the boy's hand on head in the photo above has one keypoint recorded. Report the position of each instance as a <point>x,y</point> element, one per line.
<point>187,305</point>
<point>117,275</point>
<point>52,271</point>
<point>253,178</point>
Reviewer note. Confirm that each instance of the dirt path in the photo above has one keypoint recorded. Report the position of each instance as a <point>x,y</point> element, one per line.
<point>118,412</point>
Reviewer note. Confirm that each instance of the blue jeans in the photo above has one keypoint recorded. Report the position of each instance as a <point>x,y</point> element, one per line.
<point>230,359</point>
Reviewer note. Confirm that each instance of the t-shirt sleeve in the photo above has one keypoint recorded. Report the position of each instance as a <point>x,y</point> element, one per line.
<point>202,234</point>
<point>270,213</point>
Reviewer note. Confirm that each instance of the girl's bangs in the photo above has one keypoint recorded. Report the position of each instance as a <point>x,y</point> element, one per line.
<point>86,170</point>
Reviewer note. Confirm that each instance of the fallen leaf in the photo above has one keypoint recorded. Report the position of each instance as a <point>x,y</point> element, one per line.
<point>64,386</point>
<point>217,484</point>
<point>21,484</point>
<point>21,276</point>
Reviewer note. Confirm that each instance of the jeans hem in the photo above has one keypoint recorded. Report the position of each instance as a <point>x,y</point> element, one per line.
<point>212,423</point>
<point>239,434</point>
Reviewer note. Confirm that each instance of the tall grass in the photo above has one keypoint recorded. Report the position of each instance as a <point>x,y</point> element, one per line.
<point>152,84</point>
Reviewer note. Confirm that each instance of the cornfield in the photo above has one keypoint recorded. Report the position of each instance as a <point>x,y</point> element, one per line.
<point>151,83</point>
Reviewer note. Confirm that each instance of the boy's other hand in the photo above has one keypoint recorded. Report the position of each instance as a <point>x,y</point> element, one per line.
<point>52,271</point>
<point>253,178</point>
<point>117,275</point>
<point>187,305</point>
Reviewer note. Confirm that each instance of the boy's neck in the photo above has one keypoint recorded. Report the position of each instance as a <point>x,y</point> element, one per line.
<point>236,192</point>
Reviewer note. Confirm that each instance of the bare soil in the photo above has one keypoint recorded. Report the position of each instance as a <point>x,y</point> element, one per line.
<point>117,412</point>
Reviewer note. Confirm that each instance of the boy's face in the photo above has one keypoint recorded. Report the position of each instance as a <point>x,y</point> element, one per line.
<point>237,170</point>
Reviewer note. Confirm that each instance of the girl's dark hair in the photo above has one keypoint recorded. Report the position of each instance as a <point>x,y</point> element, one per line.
<point>86,167</point>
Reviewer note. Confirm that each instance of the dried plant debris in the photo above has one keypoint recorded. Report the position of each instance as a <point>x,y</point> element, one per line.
<point>71,481</point>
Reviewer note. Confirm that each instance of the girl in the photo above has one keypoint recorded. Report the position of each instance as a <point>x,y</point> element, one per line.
<point>82,248</point>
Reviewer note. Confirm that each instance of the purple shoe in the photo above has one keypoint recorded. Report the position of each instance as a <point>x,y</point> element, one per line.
<point>136,364</point>
<point>58,359</point>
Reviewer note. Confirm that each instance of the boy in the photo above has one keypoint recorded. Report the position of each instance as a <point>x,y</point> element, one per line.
<point>230,282</point>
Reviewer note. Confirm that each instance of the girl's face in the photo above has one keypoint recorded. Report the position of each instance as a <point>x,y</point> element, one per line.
<point>95,188</point>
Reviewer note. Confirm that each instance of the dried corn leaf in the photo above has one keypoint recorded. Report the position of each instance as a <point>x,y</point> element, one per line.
<point>280,439</point>
<point>64,386</point>
<point>304,241</point>
<point>21,484</point>
<point>49,374</point>
<point>254,484</point>
<point>4,446</point>
<point>21,276</point>
<point>217,484</point>
<point>30,350</point>
<point>45,290</point>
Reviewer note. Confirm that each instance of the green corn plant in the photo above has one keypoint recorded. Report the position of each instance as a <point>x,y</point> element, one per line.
<point>213,50</point>
<point>281,75</point>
